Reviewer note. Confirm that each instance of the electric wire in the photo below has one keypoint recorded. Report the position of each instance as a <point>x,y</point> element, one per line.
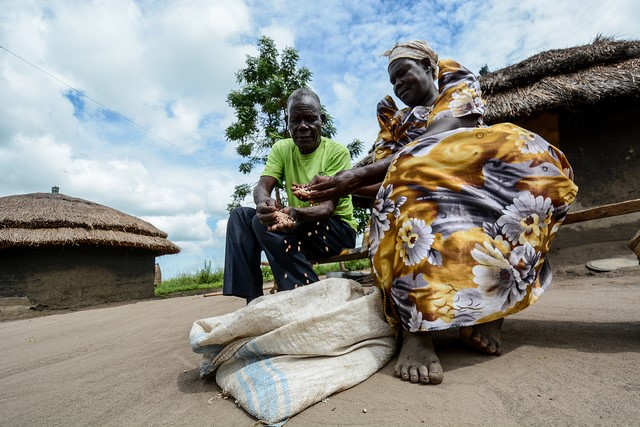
<point>111,110</point>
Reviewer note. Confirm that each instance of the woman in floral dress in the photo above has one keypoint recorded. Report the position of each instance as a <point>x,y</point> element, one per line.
<point>464,216</point>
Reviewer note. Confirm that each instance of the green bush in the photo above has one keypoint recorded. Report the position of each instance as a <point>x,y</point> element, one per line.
<point>206,278</point>
<point>207,275</point>
<point>267,274</point>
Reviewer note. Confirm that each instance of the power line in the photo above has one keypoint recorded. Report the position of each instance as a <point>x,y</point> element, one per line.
<point>111,110</point>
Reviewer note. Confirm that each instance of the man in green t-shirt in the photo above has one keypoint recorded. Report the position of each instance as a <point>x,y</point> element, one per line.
<point>310,231</point>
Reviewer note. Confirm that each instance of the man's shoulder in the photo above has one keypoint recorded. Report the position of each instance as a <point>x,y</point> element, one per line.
<point>334,145</point>
<point>283,148</point>
<point>283,143</point>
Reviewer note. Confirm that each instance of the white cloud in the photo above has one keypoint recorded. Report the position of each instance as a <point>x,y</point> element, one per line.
<point>31,164</point>
<point>283,37</point>
<point>168,67</point>
<point>184,227</point>
<point>221,228</point>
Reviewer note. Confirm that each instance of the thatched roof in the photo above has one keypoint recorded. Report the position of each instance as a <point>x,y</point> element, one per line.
<point>44,220</point>
<point>563,79</point>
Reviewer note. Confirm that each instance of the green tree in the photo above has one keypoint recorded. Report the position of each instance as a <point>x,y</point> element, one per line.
<point>261,105</point>
<point>484,70</point>
<point>355,148</point>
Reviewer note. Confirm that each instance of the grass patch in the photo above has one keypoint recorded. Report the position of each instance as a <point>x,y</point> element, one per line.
<point>183,284</point>
<point>207,278</point>
<point>355,265</point>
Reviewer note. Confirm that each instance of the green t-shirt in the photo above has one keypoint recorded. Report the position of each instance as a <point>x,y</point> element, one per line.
<point>286,164</point>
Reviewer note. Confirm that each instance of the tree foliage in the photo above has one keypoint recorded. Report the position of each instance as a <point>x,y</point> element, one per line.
<point>355,148</point>
<point>260,106</point>
<point>484,70</point>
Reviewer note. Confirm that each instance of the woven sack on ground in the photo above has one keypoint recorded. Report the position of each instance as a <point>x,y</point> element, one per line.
<point>287,351</point>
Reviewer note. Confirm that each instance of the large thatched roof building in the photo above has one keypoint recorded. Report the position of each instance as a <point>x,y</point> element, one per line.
<point>586,101</point>
<point>61,251</point>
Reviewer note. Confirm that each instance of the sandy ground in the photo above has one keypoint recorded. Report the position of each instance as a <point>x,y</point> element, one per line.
<point>571,359</point>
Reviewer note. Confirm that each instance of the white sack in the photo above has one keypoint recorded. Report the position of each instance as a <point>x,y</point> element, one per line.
<point>287,351</point>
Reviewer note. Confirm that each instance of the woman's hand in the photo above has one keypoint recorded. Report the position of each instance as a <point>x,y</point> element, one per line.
<point>323,188</point>
<point>301,191</point>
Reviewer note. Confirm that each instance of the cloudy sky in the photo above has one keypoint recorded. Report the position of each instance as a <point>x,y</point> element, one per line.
<point>123,102</point>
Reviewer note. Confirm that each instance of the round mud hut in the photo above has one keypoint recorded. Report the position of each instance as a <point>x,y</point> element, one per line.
<point>58,251</point>
<point>584,100</point>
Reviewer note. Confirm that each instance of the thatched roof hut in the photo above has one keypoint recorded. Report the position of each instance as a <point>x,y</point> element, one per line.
<point>586,101</point>
<point>569,79</point>
<point>43,219</point>
<point>59,251</point>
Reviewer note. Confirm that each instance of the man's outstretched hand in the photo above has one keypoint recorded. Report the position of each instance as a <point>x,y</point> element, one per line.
<point>284,220</point>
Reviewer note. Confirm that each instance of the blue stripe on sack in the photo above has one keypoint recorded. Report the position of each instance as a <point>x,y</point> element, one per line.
<point>248,358</point>
<point>256,368</point>
<point>247,392</point>
<point>275,376</point>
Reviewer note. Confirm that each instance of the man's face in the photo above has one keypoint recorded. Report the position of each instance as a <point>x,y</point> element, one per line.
<point>305,123</point>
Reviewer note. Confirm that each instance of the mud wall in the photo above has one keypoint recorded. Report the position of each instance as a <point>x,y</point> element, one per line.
<point>602,144</point>
<point>76,277</point>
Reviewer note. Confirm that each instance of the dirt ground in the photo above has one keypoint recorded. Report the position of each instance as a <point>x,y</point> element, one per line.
<point>571,359</point>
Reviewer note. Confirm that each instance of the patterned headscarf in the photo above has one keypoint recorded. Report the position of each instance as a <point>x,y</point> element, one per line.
<point>414,49</point>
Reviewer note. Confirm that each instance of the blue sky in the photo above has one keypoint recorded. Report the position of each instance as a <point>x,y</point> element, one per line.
<point>145,132</point>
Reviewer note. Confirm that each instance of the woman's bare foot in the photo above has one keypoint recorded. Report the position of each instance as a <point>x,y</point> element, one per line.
<point>486,337</point>
<point>417,361</point>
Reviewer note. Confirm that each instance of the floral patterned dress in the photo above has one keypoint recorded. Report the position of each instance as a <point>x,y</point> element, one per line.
<point>463,221</point>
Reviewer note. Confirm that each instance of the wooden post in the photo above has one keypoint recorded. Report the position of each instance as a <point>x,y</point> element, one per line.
<point>604,211</point>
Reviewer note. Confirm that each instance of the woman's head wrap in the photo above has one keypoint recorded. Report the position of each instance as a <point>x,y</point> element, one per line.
<point>414,49</point>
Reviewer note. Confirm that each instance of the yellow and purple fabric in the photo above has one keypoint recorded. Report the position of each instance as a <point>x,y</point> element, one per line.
<point>463,221</point>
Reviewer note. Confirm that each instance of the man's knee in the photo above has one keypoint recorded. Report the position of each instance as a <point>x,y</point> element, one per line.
<point>241,216</point>
<point>239,223</point>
